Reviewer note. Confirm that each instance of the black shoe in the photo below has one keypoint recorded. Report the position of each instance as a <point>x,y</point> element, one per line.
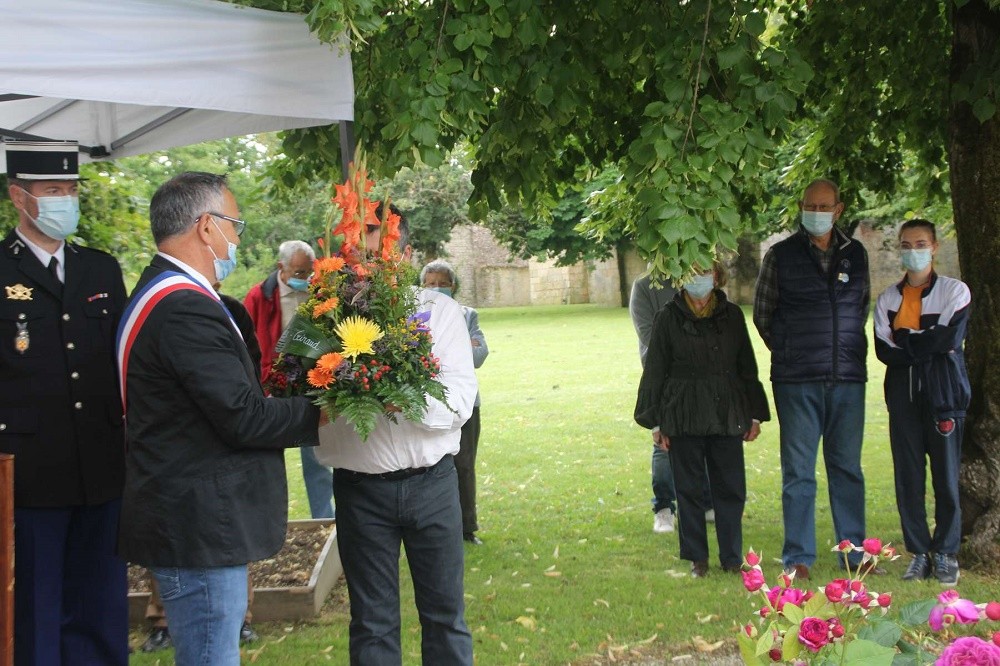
<point>946,569</point>
<point>919,569</point>
<point>159,639</point>
<point>472,538</point>
<point>699,569</point>
<point>732,568</point>
<point>247,634</point>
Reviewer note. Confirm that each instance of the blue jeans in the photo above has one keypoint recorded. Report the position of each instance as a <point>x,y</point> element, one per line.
<point>807,412</point>
<point>664,493</point>
<point>319,483</point>
<point>422,514</point>
<point>205,609</point>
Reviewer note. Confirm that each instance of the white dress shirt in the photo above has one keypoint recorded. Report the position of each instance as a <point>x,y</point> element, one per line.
<point>45,257</point>
<point>408,444</point>
<point>290,302</point>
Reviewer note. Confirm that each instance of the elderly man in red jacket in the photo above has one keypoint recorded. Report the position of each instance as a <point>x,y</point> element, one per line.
<point>271,305</point>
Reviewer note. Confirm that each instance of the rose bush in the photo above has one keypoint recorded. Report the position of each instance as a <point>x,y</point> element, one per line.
<point>845,622</point>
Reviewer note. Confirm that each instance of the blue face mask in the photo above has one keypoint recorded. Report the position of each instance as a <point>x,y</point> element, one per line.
<point>223,267</point>
<point>916,260</point>
<point>58,217</point>
<point>441,290</point>
<point>298,284</point>
<point>817,222</point>
<point>700,286</point>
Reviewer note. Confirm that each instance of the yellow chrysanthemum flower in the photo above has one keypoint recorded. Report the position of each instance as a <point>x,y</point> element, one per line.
<point>357,335</point>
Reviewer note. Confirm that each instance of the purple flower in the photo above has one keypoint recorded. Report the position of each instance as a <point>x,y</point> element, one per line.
<point>420,319</point>
<point>970,651</point>
<point>950,609</point>
<point>814,633</point>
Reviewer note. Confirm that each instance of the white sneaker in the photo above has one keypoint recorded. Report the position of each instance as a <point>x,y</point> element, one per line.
<point>710,516</point>
<point>663,521</point>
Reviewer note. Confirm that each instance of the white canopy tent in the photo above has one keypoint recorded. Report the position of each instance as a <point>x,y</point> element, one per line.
<point>125,77</point>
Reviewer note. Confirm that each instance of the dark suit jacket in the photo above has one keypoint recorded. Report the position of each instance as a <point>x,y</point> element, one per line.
<point>60,411</point>
<point>205,481</point>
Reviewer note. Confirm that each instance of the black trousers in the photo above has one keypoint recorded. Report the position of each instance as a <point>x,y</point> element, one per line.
<point>723,457</point>
<point>465,465</point>
<point>915,440</point>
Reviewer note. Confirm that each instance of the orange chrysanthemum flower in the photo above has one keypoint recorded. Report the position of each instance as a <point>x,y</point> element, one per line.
<point>320,377</point>
<point>321,309</point>
<point>327,265</point>
<point>330,362</point>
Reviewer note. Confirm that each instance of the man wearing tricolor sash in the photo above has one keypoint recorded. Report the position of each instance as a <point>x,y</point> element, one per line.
<point>205,488</point>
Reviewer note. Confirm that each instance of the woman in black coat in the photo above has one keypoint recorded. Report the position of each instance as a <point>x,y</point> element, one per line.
<point>702,399</point>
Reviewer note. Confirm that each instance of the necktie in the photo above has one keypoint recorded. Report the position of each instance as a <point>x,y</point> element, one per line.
<point>54,267</point>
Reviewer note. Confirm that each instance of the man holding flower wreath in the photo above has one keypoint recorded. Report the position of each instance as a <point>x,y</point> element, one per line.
<point>398,487</point>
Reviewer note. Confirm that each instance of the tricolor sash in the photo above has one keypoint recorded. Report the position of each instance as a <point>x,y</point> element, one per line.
<point>140,307</point>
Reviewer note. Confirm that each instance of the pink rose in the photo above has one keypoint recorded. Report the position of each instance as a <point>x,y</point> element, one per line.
<point>970,651</point>
<point>779,596</point>
<point>950,609</point>
<point>845,546</point>
<point>872,546</point>
<point>836,590</point>
<point>753,580</point>
<point>996,638</point>
<point>885,600</point>
<point>889,553</point>
<point>836,628</point>
<point>752,558</point>
<point>750,630</point>
<point>993,611</point>
<point>814,633</point>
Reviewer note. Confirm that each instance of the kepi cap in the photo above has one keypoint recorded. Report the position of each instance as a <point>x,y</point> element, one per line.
<point>43,160</point>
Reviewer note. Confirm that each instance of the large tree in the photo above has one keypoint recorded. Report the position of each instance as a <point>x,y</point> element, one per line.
<point>691,101</point>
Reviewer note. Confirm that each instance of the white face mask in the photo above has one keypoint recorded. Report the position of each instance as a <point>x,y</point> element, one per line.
<point>223,267</point>
<point>58,217</point>
<point>700,286</point>
<point>916,260</point>
<point>817,222</point>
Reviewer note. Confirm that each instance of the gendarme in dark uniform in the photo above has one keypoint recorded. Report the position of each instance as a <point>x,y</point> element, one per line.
<point>61,417</point>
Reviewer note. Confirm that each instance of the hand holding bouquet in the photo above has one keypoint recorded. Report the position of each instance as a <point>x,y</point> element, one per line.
<point>359,345</point>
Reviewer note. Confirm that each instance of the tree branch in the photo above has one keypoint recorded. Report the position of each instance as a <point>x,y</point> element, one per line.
<point>697,81</point>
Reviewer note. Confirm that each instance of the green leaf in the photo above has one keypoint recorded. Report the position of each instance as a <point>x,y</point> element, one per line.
<point>793,613</point>
<point>463,41</point>
<point>868,653</point>
<point>728,57</point>
<point>747,651</point>
<point>790,645</point>
<point>765,641</point>
<point>883,632</point>
<point>916,613</point>
<point>544,94</point>
<point>756,23</point>
<point>983,109</point>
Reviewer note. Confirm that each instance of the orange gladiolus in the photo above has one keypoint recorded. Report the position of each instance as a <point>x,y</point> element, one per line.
<point>320,377</point>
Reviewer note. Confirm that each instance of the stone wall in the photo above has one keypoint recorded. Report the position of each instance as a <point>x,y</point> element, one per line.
<point>490,277</point>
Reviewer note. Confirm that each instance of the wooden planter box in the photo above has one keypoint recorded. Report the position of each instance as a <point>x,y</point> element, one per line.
<point>281,603</point>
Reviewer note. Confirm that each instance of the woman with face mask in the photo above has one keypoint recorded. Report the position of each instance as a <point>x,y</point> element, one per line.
<point>701,397</point>
<point>920,327</point>
<point>439,276</point>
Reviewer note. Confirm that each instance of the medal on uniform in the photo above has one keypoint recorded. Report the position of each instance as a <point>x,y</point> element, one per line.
<point>18,292</point>
<point>22,341</point>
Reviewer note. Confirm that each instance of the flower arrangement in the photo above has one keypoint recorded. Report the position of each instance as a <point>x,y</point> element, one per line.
<point>358,345</point>
<point>845,622</point>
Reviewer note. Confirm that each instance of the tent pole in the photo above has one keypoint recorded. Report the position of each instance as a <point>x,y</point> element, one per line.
<point>346,145</point>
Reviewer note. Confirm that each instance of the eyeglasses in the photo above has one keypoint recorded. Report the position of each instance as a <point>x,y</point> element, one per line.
<point>238,225</point>
<point>823,208</point>
<point>919,245</point>
<point>303,274</point>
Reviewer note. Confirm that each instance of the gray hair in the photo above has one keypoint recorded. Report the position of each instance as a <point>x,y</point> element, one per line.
<point>180,201</point>
<point>828,183</point>
<point>290,248</point>
<point>441,266</point>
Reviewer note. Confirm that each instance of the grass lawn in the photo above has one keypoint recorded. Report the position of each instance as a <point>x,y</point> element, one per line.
<point>571,567</point>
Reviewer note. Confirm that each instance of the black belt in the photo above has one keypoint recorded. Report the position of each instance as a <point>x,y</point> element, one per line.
<point>398,475</point>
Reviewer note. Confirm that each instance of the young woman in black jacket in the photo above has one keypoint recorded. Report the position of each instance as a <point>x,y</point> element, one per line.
<point>701,397</point>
